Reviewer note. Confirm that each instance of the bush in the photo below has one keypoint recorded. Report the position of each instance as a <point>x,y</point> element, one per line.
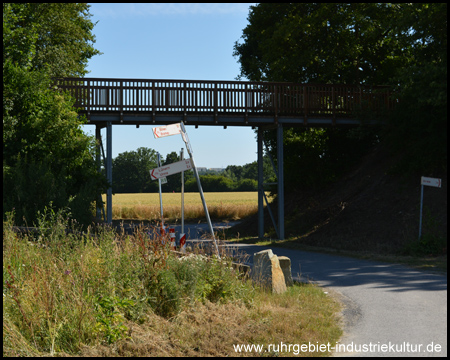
<point>247,185</point>
<point>210,183</point>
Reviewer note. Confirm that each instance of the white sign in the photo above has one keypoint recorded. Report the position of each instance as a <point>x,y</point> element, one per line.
<point>163,180</point>
<point>171,169</point>
<point>168,130</point>
<point>431,182</point>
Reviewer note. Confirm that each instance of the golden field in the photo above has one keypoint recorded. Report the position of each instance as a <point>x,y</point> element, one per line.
<point>221,205</point>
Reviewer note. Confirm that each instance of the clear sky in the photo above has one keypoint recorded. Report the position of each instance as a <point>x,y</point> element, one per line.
<point>173,41</point>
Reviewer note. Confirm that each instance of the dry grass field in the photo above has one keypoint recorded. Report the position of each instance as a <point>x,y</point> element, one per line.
<point>221,205</point>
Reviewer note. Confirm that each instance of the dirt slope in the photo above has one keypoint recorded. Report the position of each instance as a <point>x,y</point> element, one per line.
<point>367,209</point>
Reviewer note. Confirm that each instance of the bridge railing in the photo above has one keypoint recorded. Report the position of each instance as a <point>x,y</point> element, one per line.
<point>231,97</point>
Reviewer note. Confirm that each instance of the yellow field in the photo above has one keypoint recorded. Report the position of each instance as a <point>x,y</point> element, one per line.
<point>221,205</point>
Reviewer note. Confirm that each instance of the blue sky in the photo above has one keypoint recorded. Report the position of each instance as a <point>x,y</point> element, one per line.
<point>173,41</point>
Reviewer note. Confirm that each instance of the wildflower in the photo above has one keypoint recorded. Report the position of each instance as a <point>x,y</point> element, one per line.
<point>67,272</point>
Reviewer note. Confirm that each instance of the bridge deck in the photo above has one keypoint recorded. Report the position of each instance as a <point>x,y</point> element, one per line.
<point>223,103</point>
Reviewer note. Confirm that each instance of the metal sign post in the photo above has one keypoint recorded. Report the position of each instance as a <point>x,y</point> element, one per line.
<point>189,149</point>
<point>427,182</point>
<point>182,193</point>
<point>180,166</point>
<point>160,197</point>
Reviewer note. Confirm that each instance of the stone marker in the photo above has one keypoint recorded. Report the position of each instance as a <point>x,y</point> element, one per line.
<point>285,264</point>
<point>267,270</point>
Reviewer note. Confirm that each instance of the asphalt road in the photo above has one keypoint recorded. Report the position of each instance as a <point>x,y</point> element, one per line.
<point>389,310</point>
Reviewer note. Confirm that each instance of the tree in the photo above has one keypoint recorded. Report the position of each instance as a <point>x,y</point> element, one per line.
<point>131,171</point>
<point>418,126</point>
<point>402,45</point>
<point>349,43</point>
<point>43,141</point>
<point>55,38</point>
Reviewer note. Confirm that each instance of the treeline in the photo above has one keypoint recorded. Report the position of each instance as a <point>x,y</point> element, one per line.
<point>131,175</point>
<point>48,161</point>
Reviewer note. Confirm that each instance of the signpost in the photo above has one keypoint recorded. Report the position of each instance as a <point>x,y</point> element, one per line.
<point>180,166</point>
<point>182,196</point>
<point>171,169</point>
<point>190,152</point>
<point>160,198</point>
<point>427,181</point>
<point>163,131</point>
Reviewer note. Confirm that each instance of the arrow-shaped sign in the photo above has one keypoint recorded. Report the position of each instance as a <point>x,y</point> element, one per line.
<point>168,130</point>
<point>171,169</point>
<point>430,181</point>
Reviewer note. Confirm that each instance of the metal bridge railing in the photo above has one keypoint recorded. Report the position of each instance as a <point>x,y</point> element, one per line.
<point>231,97</point>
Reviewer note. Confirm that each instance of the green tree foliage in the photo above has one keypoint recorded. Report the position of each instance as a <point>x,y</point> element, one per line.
<point>131,171</point>
<point>418,126</point>
<point>210,183</point>
<point>131,175</point>
<point>350,43</point>
<point>55,38</point>
<point>402,45</point>
<point>46,155</point>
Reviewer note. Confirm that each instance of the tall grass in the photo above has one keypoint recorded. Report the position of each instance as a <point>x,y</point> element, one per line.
<point>63,290</point>
<point>103,294</point>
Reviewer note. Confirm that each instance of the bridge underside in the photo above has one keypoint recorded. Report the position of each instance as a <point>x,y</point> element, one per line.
<point>261,105</point>
<point>106,120</point>
<point>267,120</point>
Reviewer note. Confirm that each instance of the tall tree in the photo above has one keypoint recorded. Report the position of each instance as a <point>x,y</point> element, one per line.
<point>402,45</point>
<point>43,144</point>
<point>131,171</point>
<point>349,43</point>
<point>55,38</point>
<point>418,126</point>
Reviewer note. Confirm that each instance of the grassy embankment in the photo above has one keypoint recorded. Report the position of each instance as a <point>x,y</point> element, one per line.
<point>221,205</point>
<point>101,294</point>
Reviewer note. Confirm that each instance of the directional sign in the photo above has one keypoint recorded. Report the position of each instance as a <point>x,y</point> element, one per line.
<point>431,182</point>
<point>168,130</point>
<point>171,169</point>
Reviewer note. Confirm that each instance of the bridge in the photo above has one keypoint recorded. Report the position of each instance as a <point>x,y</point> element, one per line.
<point>261,105</point>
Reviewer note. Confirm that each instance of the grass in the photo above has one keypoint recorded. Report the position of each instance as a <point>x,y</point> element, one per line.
<point>103,294</point>
<point>221,205</point>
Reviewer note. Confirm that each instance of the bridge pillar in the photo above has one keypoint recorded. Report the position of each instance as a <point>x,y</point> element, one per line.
<point>280,195</point>
<point>98,138</point>
<point>109,172</point>
<point>260,185</point>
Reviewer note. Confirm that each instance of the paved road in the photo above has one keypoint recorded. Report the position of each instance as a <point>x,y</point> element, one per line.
<point>389,310</point>
<point>197,231</point>
<point>392,307</point>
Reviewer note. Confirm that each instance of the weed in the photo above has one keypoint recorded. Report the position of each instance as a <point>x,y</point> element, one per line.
<point>110,320</point>
<point>69,292</point>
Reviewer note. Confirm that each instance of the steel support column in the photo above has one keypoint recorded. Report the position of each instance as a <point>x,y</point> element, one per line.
<point>98,138</point>
<point>260,185</point>
<point>280,195</point>
<point>109,172</point>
